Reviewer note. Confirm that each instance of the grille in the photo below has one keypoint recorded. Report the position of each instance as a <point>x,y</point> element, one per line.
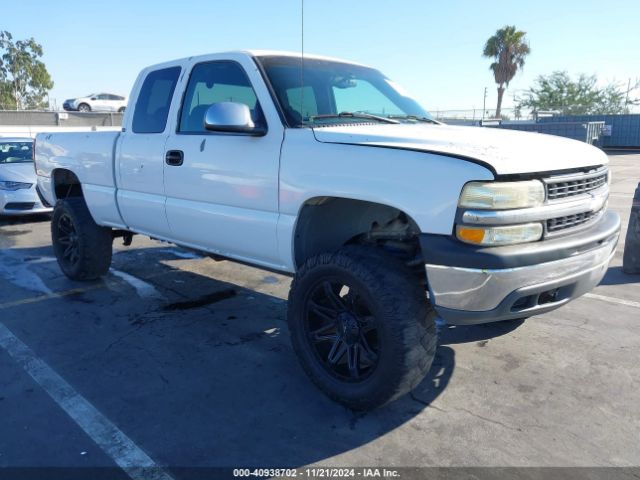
<point>569,221</point>
<point>575,186</point>
<point>19,206</point>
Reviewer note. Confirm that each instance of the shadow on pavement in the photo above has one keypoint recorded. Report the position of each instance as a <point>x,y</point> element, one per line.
<point>205,384</point>
<point>616,276</point>
<point>6,220</point>
<point>619,152</point>
<point>452,334</point>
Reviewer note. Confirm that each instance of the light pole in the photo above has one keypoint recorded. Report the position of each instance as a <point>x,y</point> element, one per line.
<point>484,102</point>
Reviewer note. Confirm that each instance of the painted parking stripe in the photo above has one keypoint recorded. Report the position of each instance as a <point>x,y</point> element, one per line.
<point>142,288</point>
<point>619,301</point>
<point>126,454</point>
<point>96,286</point>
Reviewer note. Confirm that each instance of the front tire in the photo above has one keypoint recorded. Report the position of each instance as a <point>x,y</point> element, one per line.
<point>361,326</point>
<point>83,107</point>
<point>82,247</point>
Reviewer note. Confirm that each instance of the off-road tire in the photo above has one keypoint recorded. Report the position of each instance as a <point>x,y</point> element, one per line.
<point>404,318</point>
<point>93,242</point>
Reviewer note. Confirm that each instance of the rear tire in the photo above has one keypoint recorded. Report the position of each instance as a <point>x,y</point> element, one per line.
<point>82,247</point>
<point>361,326</point>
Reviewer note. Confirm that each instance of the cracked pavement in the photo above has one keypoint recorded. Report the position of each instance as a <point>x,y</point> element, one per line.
<point>204,374</point>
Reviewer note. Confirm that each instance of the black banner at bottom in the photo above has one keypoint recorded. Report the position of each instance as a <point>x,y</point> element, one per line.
<point>321,472</point>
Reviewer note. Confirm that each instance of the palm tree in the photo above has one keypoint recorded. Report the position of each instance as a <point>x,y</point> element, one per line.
<point>508,47</point>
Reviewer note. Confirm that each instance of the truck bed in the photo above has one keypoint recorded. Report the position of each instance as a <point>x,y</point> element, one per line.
<point>90,155</point>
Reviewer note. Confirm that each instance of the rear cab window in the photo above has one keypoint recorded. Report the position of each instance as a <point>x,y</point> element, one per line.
<point>152,107</point>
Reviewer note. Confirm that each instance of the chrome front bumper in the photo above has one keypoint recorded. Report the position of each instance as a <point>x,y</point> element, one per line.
<point>476,295</point>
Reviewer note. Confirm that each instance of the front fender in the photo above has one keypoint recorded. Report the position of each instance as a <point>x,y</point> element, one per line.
<point>425,186</point>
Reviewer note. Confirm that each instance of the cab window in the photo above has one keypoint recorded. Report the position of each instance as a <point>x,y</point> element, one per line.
<point>213,82</point>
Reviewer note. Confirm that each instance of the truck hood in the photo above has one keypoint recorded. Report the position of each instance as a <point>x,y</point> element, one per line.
<point>505,151</point>
<point>18,172</point>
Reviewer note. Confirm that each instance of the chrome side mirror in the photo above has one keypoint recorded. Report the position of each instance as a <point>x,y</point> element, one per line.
<point>231,117</point>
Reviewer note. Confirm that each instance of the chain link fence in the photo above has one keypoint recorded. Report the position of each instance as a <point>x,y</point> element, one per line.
<point>478,114</point>
<point>606,131</point>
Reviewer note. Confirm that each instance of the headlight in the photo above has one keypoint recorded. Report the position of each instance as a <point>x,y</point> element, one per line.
<point>504,235</point>
<point>14,185</point>
<point>502,195</point>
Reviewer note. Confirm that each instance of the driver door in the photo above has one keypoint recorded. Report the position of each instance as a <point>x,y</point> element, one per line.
<point>222,196</point>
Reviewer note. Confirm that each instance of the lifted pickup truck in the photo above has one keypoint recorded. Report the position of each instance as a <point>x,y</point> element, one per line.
<point>326,170</point>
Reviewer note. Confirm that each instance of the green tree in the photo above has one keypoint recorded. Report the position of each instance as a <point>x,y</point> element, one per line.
<point>24,79</point>
<point>559,92</point>
<point>508,48</point>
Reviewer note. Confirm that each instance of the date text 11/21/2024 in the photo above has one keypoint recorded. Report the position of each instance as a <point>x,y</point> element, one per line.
<point>317,472</point>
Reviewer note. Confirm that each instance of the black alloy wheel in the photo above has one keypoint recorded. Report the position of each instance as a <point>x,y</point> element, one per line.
<point>68,239</point>
<point>342,330</point>
<point>361,325</point>
<point>82,247</point>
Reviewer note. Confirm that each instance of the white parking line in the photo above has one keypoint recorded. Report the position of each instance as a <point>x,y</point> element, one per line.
<point>143,289</point>
<point>16,271</point>
<point>619,301</point>
<point>126,454</point>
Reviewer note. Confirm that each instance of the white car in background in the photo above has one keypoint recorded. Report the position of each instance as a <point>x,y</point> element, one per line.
<point>97,102</point>
<point>18,195</point>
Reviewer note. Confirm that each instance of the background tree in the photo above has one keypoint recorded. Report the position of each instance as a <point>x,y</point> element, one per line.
<point>508,48</point>
<point>559,92</point>
<point>24,79</point>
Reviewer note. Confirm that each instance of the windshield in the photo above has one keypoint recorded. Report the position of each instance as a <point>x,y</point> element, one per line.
<point>337,93</point>
<point>16,152</point>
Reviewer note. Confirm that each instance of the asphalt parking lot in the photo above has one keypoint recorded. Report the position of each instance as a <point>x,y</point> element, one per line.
<point>183,361</point>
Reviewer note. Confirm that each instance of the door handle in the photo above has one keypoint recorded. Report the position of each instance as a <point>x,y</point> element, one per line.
<point>175,158</point>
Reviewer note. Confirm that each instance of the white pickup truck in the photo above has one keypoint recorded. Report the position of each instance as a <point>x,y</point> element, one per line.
<point>328,171</point>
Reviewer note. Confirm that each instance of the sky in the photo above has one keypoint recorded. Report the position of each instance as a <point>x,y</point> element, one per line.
<point>432,48</point>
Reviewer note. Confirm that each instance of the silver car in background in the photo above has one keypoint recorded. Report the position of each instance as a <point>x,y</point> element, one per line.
<point>96,102</point>
<point>18,195</point>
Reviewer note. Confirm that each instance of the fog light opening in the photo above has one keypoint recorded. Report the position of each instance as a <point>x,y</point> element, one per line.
<point>549,296</point>
<point>523,303</point>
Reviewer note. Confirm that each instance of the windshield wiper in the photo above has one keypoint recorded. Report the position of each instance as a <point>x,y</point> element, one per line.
<point>416,118</point>
<point>366,116</point>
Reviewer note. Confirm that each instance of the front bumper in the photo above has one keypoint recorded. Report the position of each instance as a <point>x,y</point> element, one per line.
<point>22,202</point>
<point>470,285</point>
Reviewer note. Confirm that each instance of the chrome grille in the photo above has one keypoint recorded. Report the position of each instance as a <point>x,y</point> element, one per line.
<point>574,202</point>
<point>570,185</point>
<point>570,221</point>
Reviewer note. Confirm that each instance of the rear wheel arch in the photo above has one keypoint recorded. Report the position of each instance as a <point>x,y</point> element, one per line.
<point>66,184</point>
